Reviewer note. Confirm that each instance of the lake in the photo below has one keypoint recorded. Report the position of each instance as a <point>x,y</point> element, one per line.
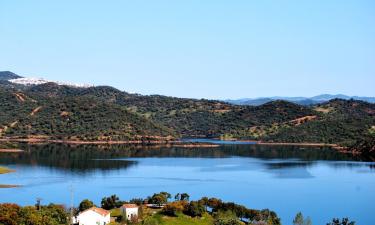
<point>320,182</point>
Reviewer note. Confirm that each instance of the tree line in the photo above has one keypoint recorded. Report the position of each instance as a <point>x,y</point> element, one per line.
<point>223,213</point>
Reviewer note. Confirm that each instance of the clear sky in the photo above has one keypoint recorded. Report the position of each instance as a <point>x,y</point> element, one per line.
<point>194,48</point>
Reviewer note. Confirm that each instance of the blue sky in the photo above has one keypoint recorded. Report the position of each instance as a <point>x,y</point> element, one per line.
<point>194,48</point>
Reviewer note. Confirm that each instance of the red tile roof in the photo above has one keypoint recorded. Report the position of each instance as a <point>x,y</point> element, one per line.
<point>129,206</point>
<point>100,211</point>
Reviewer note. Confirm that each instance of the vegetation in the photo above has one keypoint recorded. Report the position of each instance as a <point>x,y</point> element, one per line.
<point>79,118</point>
<point>159,198</point>
<point>344,122</point>
<point>85,204</point>
<point>344,221</point>
<point>300,220</point>
<point>206,211</point>
<point>365,145</point>
<point>111,202</point>
<point>105,113</point>
<point>180,219</point>
<point>221,212</point>
<point>12,214</point>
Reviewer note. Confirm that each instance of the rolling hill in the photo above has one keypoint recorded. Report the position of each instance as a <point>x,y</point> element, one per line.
<point>56,111</point>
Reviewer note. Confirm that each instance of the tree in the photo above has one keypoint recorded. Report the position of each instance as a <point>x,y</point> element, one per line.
<point>173,208</point>
<point>308,221</point>
<point>166,194</point>
<point>85,204</point>
<point>273,218</point>
<point>185,197</point>
<point>344,221</point>
<point>214,203</point>
<point>56,214</point>
<point>177,197</point>
<point>110,202</point>
<point>138,201</point>
<point>11,214</point>
<point>204,201</point>
<point>300,220</point>
<point>158,199</point>
<point>195,209</point>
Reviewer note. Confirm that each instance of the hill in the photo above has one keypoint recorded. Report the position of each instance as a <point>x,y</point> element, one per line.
<point>337,121</point>
<point>7,75</point>
<point>187,117</point>
<point>53,110</point>
<point>24,115</point>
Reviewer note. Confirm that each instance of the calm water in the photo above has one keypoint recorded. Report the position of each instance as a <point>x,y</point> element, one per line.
<point>319,182</point>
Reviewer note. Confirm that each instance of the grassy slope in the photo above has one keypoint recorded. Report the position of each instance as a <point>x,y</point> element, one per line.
<point>183,220</point>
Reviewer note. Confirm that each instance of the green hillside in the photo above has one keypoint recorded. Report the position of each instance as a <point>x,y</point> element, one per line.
<point>26,115</point>
<point>105,113</point>
<point>337,121</point>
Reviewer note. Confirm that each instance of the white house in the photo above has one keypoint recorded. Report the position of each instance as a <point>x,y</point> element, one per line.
<point>130,211</point>
<point>94,216</point>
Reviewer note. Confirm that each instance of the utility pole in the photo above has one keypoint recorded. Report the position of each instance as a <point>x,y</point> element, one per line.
<point>38,203</point>
<point>71,203</point>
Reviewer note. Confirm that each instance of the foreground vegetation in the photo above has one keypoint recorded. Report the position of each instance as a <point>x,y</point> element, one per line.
<point>12,214</point>
<point>155,210</point>
<point>179,219</point>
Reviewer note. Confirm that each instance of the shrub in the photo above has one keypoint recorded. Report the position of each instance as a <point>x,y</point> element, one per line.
<point>173,208</point>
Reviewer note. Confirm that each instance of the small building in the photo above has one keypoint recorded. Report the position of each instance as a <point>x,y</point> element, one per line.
<point>94,216</point>
<point>130,211</point>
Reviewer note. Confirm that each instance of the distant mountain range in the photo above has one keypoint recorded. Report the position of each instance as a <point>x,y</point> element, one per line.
<point>59,111</point>
<point>299,100</point>
<point>10,78</point>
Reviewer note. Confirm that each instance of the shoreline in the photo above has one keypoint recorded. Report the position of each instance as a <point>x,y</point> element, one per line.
<point>171,143</point>
<point>162,142</point>
<point>10,150</point>
<point>9,186</point>
<point>298,144</point>
<point>5,170</point>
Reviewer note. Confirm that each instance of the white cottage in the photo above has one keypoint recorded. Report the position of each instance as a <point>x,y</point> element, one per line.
<point>130,211</point>
<point>94,216</point>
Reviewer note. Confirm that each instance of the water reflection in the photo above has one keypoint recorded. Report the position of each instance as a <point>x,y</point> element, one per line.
<point>291,169</point>
<point>83,158</point>
<point>75,159</point>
